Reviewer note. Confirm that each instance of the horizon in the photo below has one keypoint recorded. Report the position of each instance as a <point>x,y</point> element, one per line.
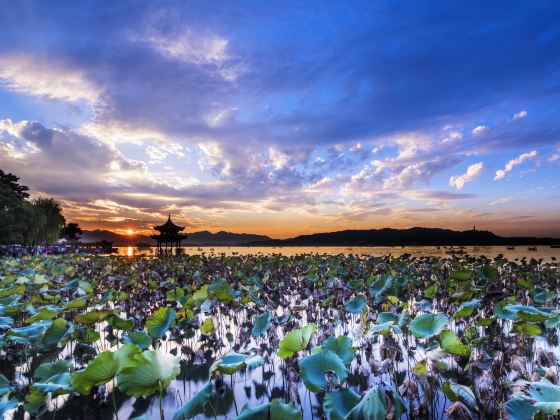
<point>135,234</point>
<point>286,120</point>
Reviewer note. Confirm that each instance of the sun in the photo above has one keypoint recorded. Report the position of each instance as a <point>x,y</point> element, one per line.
<point>129,232</point>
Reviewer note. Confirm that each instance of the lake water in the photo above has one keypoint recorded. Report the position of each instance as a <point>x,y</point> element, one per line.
<point>544,252</point>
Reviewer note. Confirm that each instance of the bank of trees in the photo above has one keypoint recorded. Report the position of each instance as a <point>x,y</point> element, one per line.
<point>28,222</point>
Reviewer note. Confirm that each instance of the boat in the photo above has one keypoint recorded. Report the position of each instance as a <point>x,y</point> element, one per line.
<point>532,248</point>
<point>510,248</point>
<point>199,249</point>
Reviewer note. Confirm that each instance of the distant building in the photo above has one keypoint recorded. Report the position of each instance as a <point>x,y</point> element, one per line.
<point>169,237</point>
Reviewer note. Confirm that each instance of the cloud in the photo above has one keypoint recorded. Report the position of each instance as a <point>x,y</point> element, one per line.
<point>473,172</point>
<point>500,201</point>
<point>479,130</point>
<point>519,115</point>
<point>500,174</point>
<point>438,195</point>
<point>46,78</point>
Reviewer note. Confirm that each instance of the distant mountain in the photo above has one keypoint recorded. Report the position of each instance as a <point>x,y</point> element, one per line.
<point>196,238</point>
<point>412,236</point>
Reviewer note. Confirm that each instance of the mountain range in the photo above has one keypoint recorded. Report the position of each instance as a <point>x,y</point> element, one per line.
<point>370,237</point>
<point>196,238</point>
<point>412,236</point>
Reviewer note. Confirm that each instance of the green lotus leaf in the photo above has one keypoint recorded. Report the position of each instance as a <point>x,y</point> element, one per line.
<point>341,346</point>
<point>457,392</point>
<point>119,323</point>
<point>382,328</point>
<point>451,343</point>
<point>7,404</point>
<point>56,333</point>
<point>5,386</point>
<point>527,328</point>
<point>106,366</point>
<point>489,273</point>
<point>534,397</point>
<point>260,412</point>
<point>47,370</point>
<point>221,290</point>
<point>13,290</point>
<point>296,341</point>
<point>282,411</point>
<point>275,410</point>
<point>140,338</point>
<point>30,333</point>
<point>355,305</point>
<point>314,367</point>
<point>384,317</point>
<point>374,405</point>
<point>525,284</point>
<point>466,309</point>
<point>58,384</point>
<point>36,401</point>
<point>233,362</point>
<point>46,312</point>
<point>529,313</point>
<point>86,335</point>
<point>93,317</point>
<point>196,404</point>
<point>207,327</point>
<point>200,295</point>
<point>543,296</point>
<point>339,403</point>
<point>75,304</point>
<point>462,275</point>
<point>160,322</point>
<point>428,325</point>
<point>261,324</point>
<point>148,372</point>
<point>379,286</point>
<point>6,322</point>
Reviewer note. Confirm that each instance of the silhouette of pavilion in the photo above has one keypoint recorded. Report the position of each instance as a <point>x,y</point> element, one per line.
<point>169,237</point>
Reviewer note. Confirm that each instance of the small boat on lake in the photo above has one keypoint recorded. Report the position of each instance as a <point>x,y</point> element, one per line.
<point>532,248</point>
<point>510,248</point>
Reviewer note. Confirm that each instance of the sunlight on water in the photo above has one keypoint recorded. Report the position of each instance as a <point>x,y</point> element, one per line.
<point>544,252</point>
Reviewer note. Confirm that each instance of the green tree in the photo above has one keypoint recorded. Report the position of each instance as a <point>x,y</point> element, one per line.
<point>71,232</point>
<point>12,182</point>
<point>15,215</point>
<point>46,222</point>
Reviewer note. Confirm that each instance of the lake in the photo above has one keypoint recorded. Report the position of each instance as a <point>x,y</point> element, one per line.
<point>544,252</point>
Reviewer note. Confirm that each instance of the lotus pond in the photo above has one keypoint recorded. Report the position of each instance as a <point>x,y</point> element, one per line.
<point>278,337</point>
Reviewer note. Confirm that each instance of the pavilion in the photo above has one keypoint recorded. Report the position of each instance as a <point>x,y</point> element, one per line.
<point>168,237</point>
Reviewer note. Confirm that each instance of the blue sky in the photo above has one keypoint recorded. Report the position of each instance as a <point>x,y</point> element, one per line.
<point>286,117</point>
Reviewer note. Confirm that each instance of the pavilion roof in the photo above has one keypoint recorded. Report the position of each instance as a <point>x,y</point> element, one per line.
<point>169,226</point>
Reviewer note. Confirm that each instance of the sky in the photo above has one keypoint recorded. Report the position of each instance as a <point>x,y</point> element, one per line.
<point>286,117</point>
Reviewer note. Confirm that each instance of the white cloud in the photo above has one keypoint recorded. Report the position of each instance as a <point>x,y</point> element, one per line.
<point>32,76</point>
<point>500,201</point>
<point>473,172</point>
<point>479,130</point>
<point>519,115</point>
<point>555,156</point>
<point>193,48</point>
<point>500,174</point>
<point>277,158</point>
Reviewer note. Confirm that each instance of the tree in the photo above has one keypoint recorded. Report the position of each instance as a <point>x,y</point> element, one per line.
<point>46,222</point>
<point>12,182</point>
<point>15,215</point>
<point>71,232</point>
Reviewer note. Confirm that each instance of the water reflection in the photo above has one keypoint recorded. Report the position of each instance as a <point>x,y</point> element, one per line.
<point>545,252</point>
